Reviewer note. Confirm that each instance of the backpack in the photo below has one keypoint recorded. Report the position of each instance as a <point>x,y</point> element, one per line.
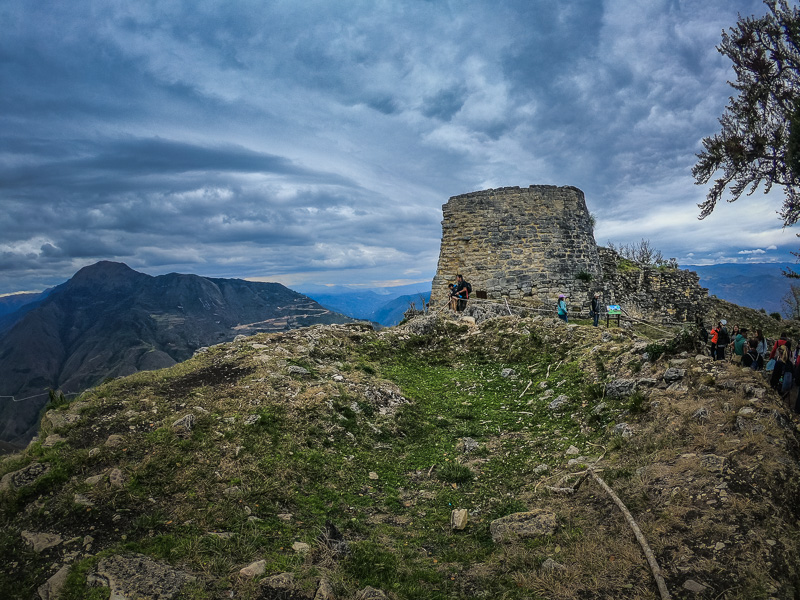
<point>786,383</point>
<point>469,287</point>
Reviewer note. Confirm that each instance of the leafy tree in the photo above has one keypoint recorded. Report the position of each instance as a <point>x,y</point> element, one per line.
<point>759,142</point>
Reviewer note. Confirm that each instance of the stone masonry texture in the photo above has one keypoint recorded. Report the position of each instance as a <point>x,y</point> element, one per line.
<point>528,245</point>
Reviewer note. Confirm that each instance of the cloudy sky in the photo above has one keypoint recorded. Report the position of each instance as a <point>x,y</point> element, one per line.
<point>315,141</point>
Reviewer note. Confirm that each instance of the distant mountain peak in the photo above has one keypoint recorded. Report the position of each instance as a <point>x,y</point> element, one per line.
<point>109,320</point>
<point>106,273</point>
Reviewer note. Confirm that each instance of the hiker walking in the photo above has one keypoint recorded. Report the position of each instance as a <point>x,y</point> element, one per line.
<point>562,308</point>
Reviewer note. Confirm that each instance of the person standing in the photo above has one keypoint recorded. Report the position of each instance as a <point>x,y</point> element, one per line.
<point>781,360</point>
<point>562,308</point>
<point>781,341</point>
<point>723,339</point>
<point>761,346</point>
<point>594,312</point>
<point>739,346</point>
<point>459,294</point>
<point>715,339</point>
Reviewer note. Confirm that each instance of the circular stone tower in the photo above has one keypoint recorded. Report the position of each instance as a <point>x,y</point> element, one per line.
<point>530,244</point>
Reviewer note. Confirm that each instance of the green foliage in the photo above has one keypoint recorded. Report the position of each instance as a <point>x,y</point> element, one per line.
<point>371,564</point>
<point>584,276</point>
<point>56,399</point>
<point>637,403</point>
<point>455,473</point>
<point>683,341</point>
<point>626,266</point>
<point>76,587</point>
<point>595,391</point>
<point>759,137</point>
<point>776,316</point>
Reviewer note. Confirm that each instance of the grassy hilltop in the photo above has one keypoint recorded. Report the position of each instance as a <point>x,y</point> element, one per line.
<point>327,462</point>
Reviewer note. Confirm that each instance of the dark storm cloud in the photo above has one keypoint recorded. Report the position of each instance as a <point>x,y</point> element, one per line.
<point>249,138</point>
<point>151,158</point>
<point>445,103</point>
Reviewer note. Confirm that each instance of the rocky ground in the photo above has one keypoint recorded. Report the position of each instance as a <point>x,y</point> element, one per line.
<point>439,459</point>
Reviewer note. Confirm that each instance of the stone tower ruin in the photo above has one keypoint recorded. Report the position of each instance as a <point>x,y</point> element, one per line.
<point>531,244</point>
<point>528,244</point>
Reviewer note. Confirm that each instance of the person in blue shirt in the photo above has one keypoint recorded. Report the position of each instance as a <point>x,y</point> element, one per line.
<point>562,308</point>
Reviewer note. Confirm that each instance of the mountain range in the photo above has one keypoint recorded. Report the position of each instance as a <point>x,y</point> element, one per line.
<point>754,285</point>
<point>109,320</point>
<point>384,306</point>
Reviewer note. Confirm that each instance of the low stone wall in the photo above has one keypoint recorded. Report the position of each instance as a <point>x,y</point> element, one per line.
<point>650,292</point>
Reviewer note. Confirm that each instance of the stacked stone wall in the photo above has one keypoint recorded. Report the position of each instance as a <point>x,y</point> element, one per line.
<point>532,244</point>
<point>526,244</point>
<point>650,292</point>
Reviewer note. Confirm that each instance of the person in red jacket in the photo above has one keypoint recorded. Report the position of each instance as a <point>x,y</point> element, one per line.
<point>715,339</point>
<point>778,343</point>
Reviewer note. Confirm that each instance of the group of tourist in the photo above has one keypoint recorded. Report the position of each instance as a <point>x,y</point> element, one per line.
<point>750,350</point>
<point>777,360</point>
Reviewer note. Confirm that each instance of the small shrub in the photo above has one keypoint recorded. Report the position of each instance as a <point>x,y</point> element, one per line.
<point>626,266</point>
<point>455,473</point>
<point>596,391</point>
<point>599,364</point>
<point>684,340</point>
<point>370,563</point>
<point>637,403</point>
<point>654,350</point>
<point>776,316</point>
<point>584,276</point>
<point>56,399</point>
<point>366,368</point>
